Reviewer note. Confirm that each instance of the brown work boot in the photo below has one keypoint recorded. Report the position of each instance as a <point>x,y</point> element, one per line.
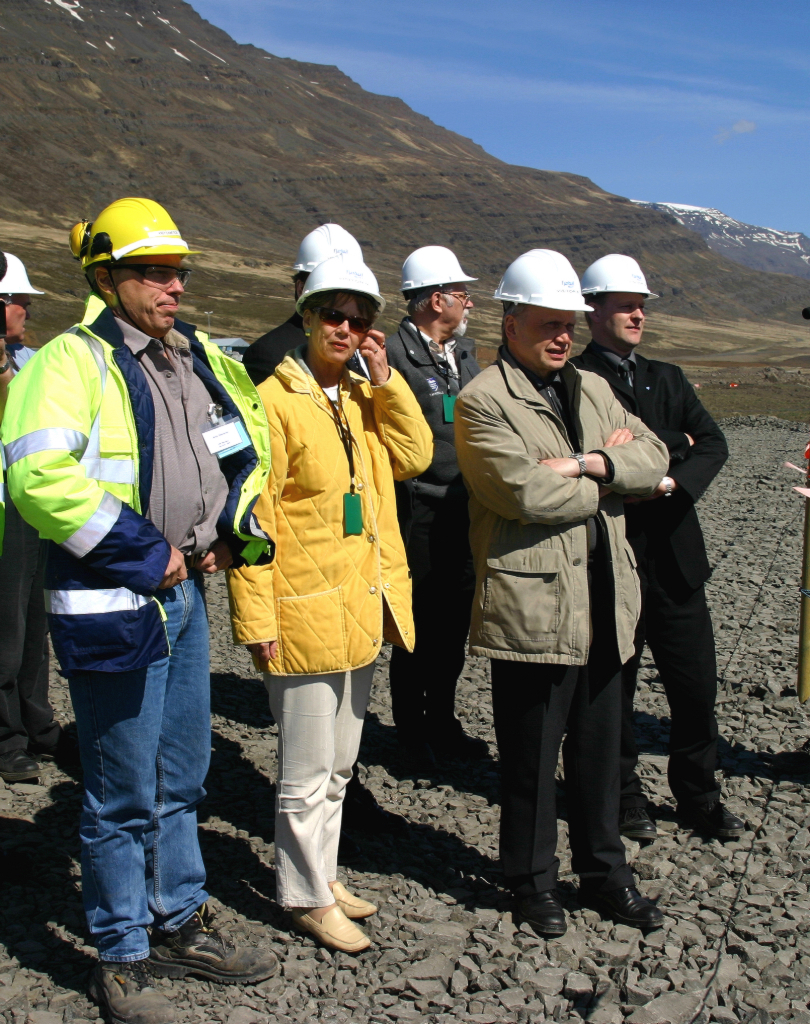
<point>197,948</point>
<point>125,992</point>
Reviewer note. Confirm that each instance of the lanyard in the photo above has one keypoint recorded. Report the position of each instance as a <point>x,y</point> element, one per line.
<point>441,365</point>
<point>345,433</point>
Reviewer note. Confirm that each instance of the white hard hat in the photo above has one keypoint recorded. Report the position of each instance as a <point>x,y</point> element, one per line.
<point>542,277</point>
<point>432,264</point>
<point>324,242</point>
<point>615,273</point>
<point>15,281</point>
<point>342,274</point>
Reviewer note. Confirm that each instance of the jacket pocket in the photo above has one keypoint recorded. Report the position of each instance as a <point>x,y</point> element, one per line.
<point>115,441</point>
<point>522,595</point>
<point>312,633</point>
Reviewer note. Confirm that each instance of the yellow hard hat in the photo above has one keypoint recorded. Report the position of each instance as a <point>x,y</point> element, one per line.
<point>127,227</point>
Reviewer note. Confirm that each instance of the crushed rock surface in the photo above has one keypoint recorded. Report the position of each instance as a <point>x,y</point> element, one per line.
<point>736,943</point>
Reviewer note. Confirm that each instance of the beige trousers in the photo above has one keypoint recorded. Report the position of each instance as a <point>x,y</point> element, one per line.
<point>320,722</point>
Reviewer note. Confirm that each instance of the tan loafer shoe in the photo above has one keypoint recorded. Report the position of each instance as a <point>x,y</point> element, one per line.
<point>352,906</point>
<point>335,930</point>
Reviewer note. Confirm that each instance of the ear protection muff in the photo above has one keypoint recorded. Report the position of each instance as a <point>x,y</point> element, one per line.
<point>101,245</point>
<point>80,238</point>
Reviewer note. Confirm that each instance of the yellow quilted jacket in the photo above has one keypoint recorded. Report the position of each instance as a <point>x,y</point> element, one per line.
<point>331,599</point>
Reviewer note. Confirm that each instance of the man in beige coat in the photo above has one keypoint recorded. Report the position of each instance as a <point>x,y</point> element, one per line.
<point>547,454</point>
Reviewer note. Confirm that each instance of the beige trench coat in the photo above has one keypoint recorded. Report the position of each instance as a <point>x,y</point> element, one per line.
<point>528,524</point>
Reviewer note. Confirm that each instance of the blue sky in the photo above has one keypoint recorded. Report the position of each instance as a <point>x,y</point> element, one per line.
<point>704,102</point>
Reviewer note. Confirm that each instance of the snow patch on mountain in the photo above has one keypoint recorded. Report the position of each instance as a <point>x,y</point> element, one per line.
<point>781,252</point>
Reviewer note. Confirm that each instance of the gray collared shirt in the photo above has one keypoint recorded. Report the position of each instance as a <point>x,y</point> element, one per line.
<point>188,489</point>
<point>615,360</point>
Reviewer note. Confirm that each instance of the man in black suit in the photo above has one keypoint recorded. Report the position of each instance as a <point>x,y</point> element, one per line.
<point>436,362</point>
<point>665,535</point>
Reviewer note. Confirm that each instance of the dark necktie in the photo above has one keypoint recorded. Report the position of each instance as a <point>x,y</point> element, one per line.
<point>626,371</point>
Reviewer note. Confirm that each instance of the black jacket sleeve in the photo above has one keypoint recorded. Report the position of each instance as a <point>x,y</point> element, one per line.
<point>702,461</point>
<point>677,443</point>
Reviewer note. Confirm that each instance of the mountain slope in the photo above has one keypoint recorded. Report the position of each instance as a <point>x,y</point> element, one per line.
<point>779,252</point>
<point>249,151</point>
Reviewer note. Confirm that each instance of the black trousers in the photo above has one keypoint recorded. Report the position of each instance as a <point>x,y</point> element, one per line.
<point>676,625</point>
<point>26,716</point>
<point>533,706</point>
<point>423,684</point>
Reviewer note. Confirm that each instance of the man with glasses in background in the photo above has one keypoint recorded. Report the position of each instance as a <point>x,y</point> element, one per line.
<point>140,461</point>
<point>429,353</point>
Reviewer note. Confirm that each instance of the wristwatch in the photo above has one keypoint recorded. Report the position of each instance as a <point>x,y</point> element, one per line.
<point>6,368</point>
<point>669,486</point>
<point>583,465</point>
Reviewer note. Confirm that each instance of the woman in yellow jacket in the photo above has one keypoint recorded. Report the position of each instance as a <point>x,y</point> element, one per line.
<point>316,618</point>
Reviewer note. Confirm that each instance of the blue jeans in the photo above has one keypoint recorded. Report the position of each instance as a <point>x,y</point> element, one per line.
<point>145,739</point>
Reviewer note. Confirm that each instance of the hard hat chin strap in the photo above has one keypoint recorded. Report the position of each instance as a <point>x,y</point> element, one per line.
<point>109,268</point>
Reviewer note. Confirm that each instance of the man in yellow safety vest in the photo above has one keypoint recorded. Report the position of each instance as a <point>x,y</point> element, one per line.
<point>138,450</point>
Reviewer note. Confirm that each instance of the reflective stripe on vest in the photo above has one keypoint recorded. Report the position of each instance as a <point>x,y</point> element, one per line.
<point>111,471</point>
<point>96,528</point>
<point>46,439</point>
<point>93,602</point>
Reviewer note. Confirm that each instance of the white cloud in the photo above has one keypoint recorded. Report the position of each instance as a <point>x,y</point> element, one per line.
<point>739,128</point>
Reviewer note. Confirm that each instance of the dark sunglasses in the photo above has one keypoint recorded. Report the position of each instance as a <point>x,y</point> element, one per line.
<point>334,317</point>
<point>158,273</point>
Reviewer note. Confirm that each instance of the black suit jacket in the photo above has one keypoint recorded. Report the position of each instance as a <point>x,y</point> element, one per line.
<point>668,529</point>
<point>263,356</point>
<point>409,355</point>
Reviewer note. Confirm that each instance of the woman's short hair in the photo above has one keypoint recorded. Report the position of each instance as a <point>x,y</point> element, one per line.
<point>366,305</point>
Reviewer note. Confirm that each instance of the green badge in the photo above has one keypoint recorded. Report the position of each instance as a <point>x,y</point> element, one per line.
<point>352,515</point>
<point>448,407</point>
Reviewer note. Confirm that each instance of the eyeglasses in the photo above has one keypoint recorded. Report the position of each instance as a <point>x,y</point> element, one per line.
<point>464,296</point>
<point>158,274</point>
<point>336,317</point>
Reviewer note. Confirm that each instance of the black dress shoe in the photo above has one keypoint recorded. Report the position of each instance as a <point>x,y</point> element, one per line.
<point>712,819</point>
<point>624,906</point>
<point>544,912</point>
<point>18,766</point>
<point>635,823</point>
<point>362,813</point>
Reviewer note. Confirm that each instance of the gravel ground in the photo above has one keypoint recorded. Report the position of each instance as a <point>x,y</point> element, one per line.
<point>736,944</point>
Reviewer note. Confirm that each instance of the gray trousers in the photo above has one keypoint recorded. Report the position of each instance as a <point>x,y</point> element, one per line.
<point>26,716</point>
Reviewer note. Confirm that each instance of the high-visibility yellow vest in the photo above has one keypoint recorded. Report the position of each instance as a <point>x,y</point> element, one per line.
<point>78,436</point>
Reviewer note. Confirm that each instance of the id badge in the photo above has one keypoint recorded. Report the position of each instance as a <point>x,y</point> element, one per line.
<point>226,438</point>
<point>448,408</point>
<point>352,515</point>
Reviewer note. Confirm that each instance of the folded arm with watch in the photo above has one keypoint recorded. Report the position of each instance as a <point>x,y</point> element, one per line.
<point>664,490</point>
<point>588,467</point>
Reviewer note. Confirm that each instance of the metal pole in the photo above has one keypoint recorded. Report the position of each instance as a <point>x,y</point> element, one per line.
<point>803,684</point>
